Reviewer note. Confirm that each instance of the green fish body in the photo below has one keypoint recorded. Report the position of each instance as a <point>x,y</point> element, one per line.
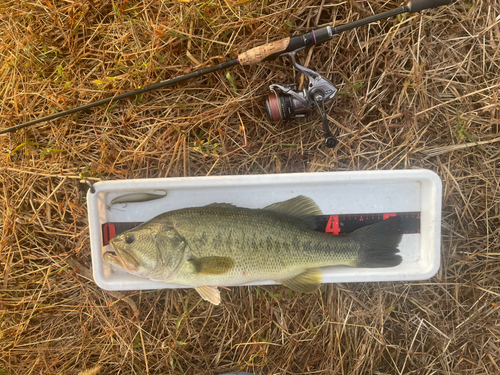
<point>224,245</point>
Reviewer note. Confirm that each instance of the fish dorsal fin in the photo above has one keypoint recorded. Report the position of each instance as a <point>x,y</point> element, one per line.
<point>209,293</point>
<point>306,282</point>
<point>212,265</point>
<point>221,205</point>
<point>302,208</point>
<point>298,207</point>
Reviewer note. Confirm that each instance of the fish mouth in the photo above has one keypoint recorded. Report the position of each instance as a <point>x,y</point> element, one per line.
<point>114,259</point>
<point>121,258</point>
<point>111,255</point>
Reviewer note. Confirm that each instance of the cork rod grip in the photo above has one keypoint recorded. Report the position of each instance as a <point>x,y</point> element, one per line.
<point>258,54</point>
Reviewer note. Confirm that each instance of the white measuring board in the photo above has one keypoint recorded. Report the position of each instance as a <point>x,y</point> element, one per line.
<point>334,192</point>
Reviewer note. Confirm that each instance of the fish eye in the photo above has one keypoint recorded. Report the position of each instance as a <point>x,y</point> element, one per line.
<point>130,238</point>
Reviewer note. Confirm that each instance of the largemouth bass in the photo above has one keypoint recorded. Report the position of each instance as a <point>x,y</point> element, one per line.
<point>224,245</point>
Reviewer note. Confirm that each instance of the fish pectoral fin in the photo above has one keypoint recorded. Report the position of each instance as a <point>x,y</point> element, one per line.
<point>209,293</point>
<point>212,265</point>
<point>306,282</point>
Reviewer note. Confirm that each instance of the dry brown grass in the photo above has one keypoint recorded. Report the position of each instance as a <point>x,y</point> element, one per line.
<point>418,92</point>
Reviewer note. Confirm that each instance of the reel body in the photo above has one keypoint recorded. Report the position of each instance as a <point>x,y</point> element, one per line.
<point>286,103</point>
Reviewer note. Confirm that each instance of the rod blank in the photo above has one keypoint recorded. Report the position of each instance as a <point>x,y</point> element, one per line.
<point>156,86</point>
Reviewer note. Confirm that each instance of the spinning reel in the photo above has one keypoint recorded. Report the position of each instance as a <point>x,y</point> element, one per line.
<point>284,102</point>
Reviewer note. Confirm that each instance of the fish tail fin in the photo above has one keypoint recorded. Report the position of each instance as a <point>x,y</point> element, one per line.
<point>379,244</point>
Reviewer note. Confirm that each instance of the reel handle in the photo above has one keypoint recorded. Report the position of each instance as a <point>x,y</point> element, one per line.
<point>418,5</point>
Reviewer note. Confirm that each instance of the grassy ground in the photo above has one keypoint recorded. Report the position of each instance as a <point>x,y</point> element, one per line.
<point>417,91</point>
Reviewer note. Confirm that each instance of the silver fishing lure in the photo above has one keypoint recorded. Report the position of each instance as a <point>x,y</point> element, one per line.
<point>137,197</point>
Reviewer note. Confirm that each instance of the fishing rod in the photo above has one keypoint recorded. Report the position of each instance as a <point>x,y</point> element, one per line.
<point>284,102</point>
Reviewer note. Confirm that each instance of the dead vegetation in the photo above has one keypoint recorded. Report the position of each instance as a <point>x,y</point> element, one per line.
<point>417,91</point>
